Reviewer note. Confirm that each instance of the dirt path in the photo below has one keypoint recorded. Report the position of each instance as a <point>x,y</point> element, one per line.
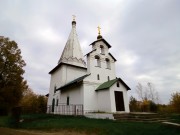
<point>9,131</point>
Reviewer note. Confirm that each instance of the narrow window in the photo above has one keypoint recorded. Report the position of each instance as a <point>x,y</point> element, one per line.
<point>54,89</point>
<point>102,49</point>
<point>108,78</point>
<point>68,100</point>
<point>108,65</point>
<point>97,60</point>
<point>53,103</point>
<point>117,84</point>
<point>57,102</point>
<point>98,78</point>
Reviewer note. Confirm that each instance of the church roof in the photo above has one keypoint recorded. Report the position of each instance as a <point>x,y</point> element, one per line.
<point>59,65</point>
<point>109,83</point>
<point>75,81</point>
<point>112,57</point>
<point>103,40</point>
<point>90,52</point>
<point>72,53</point>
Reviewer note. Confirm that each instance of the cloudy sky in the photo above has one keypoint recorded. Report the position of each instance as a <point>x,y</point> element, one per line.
<point>144,35</point>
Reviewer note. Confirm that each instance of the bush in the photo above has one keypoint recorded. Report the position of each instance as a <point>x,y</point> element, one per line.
<point>15,117</point>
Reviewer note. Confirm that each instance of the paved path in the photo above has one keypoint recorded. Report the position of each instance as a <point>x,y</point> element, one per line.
<point>9,131</point>
<point>171,123</point>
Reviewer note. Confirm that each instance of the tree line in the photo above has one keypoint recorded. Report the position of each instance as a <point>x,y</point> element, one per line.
<point>149,101</point>
<point>14,90</point>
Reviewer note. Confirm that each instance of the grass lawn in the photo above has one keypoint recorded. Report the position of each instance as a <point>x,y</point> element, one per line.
<point>175,118</point>
<point>105,127</point>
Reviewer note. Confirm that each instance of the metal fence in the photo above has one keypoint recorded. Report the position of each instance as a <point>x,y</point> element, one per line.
<point>65,109</point>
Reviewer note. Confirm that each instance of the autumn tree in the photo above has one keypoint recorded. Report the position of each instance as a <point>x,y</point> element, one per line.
<point>33,103</point>
<point>133,104</point>
<point>175,102</point>
<point>12,83</point>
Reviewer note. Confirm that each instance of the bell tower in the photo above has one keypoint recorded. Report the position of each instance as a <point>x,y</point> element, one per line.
<point>100,63</point>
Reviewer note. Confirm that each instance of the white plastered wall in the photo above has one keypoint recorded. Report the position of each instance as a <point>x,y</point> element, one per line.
<point>90,96</point>
<point>75,95</point>
<point>104,102</point>
<point>64,74</point>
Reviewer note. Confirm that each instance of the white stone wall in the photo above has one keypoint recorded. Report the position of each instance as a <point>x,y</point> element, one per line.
<point>75,95</point>
<point>104,102</point>
<point>90,96</point>
<point>64,74</point>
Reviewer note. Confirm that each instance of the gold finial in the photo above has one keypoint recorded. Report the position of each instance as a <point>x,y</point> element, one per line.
<point>99,30</point>
<point>74,17</point>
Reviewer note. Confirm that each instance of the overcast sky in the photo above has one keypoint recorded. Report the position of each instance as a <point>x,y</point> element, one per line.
<point>144,35</point>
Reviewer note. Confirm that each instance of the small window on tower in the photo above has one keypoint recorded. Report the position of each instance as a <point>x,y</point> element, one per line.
<point>102,49</point>
<point>108,78</point>
<point>97,60</point>
<point>117,84</point>
<point>55,89</point>
<point>98,78</point>
<point>108,65</point>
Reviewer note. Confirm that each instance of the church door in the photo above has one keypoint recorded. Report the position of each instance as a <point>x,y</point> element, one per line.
<point>119,101</point>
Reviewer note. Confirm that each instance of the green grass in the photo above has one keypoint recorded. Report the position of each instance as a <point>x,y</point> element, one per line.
<point>4,121</point>
<point>175,118</point>
<point>104,127</point>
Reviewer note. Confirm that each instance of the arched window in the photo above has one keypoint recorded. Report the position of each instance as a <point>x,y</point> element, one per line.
<point>98,77</point>
<point>108,65</point>
<point>102,49</point>
<point>97,61</point>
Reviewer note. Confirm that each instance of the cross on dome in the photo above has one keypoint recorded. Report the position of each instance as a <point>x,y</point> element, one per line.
<point>74,17</point>
<point>99,33</point>
<point>99,30</point>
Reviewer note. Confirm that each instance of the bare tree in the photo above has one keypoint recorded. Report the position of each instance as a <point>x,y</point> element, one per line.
<point>152,93</point>
<point>139,90</point>
<point>147,92</point>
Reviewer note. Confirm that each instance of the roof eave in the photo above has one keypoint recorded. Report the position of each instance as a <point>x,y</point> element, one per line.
<point>54,69</point>
<point>102,39</point>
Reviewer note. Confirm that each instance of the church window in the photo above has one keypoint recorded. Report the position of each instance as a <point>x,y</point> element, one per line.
<point>53,103</point>
<point>54,89</point>
<point>108,78</point>
<point>102,49</point>
<point>117,84</point>
<point>57,102</point>
<point>68,100</point>
<point>97,60</point>
<point>98,77</point>
<point>108,65</point>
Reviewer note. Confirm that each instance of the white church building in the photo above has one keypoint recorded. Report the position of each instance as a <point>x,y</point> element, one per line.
<point>78,88</point>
